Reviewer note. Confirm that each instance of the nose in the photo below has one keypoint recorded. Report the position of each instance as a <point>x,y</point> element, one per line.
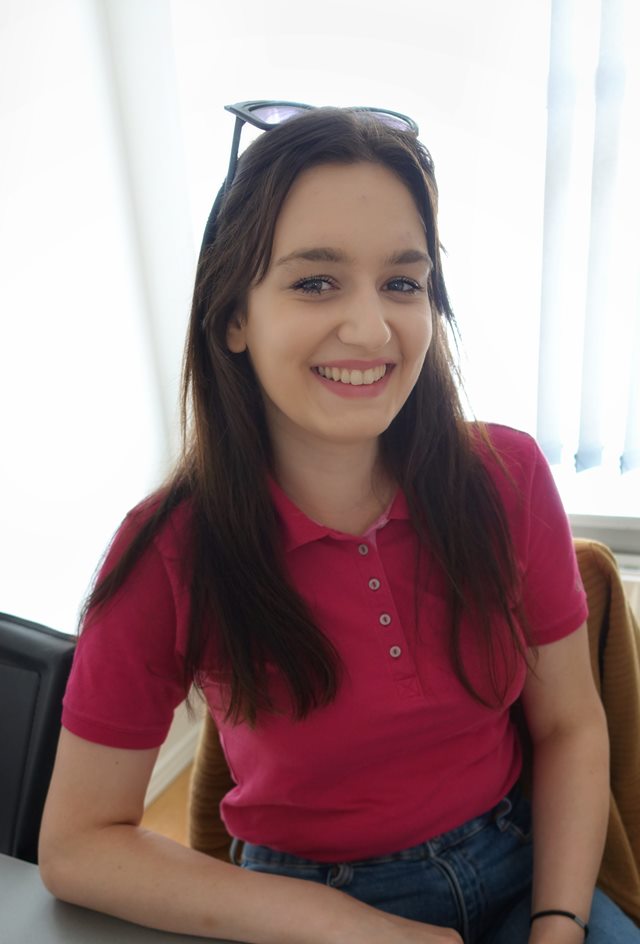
<point>363,322</point>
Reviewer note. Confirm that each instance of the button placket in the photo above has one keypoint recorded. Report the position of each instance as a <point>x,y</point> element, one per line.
<point>392,652</point>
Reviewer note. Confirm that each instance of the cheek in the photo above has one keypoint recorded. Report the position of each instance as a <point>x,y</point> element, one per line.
<point>273,362</point>
<point>419,343</point>
<point>427,333</point>
<point>423,336</point>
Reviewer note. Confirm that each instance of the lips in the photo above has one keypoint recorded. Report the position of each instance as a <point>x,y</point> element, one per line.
<point>356,377</point>
<point>359,389</point>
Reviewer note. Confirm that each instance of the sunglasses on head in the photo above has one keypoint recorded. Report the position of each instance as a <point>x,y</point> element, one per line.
<point>266,115</point>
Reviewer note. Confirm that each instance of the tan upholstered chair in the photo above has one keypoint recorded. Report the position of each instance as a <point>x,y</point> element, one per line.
<point>615,654</point>
<point>210,781</point>
<point>614,638</point>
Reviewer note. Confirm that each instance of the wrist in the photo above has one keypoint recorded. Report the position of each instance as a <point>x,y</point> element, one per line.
<point>556,929</point>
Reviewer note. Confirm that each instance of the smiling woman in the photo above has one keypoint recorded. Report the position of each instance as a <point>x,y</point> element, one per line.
<point>360,582</point>
<point>368,308</point>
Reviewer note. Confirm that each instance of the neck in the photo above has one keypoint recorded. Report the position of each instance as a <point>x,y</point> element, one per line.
<point>343,487</point>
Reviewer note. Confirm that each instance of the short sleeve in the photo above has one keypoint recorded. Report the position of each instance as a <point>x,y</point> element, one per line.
<point>552,591</point>
<point>126,679</point>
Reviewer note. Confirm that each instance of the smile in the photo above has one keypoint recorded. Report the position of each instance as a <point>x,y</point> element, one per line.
<point>356,378</point>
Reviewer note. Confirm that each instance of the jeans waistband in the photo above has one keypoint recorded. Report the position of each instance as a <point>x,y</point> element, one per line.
<point>427,849</point>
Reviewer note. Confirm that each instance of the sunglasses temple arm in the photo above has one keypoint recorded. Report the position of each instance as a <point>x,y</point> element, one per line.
<point>233,158</point>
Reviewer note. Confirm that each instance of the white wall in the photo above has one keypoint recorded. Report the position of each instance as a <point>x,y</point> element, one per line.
<point>94,293</point>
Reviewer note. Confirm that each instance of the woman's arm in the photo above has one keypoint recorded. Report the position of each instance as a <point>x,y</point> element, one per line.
<point>94,853</point>
<point>570,785</point>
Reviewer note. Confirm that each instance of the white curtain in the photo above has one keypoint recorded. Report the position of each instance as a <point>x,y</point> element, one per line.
<point>588,390</point>
<point>589,359</point>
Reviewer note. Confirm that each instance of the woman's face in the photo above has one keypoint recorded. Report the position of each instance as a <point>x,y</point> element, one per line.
<point>345,296</point>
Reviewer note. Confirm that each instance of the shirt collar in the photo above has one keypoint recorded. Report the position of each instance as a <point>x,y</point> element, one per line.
<point>298,529</point>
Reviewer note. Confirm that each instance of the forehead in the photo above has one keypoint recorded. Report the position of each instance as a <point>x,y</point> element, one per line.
<point>361,205</point>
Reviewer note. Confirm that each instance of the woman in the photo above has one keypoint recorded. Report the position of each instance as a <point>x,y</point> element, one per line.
<point>360,582</point>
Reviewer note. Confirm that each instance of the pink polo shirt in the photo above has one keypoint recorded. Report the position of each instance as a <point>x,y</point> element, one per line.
<point>404,752</point>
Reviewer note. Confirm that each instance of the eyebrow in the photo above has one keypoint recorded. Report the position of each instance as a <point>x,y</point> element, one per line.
<point>327,254</point>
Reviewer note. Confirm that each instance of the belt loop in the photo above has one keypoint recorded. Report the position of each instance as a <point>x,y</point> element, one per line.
<point>234,858</point>
<point>503,809</point>
<point>340,874</point>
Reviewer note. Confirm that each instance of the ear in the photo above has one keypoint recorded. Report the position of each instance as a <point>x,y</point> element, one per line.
<point>236,341</point>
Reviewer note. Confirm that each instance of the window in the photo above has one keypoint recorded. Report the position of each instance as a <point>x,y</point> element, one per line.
<point>589,360</point>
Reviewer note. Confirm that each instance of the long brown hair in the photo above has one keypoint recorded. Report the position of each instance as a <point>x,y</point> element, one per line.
<point>241,601</point>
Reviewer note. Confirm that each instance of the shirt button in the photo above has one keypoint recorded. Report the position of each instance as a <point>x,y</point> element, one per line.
<point>363,549</point>
<point>374,584</point>
<point>385,619</point>
<point>395,652</point>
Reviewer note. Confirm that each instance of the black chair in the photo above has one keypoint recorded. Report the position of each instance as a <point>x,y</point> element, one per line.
<point>34,667</point>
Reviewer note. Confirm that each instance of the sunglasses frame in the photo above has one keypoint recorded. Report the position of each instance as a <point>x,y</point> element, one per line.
<point>245,113</point>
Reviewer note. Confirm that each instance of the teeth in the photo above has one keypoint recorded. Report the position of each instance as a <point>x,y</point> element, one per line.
<point>356,377</point>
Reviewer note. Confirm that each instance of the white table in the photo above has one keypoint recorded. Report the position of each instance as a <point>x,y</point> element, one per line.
<point>29,914</point>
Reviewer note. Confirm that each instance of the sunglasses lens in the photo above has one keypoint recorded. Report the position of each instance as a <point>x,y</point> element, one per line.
<point>393,121</point>
<point>276,114</point>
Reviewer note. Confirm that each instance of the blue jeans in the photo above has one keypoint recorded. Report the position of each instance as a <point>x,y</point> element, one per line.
<point>475,878</point>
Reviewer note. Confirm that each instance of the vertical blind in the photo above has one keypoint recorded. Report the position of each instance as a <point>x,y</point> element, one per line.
<point>589,356</point>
